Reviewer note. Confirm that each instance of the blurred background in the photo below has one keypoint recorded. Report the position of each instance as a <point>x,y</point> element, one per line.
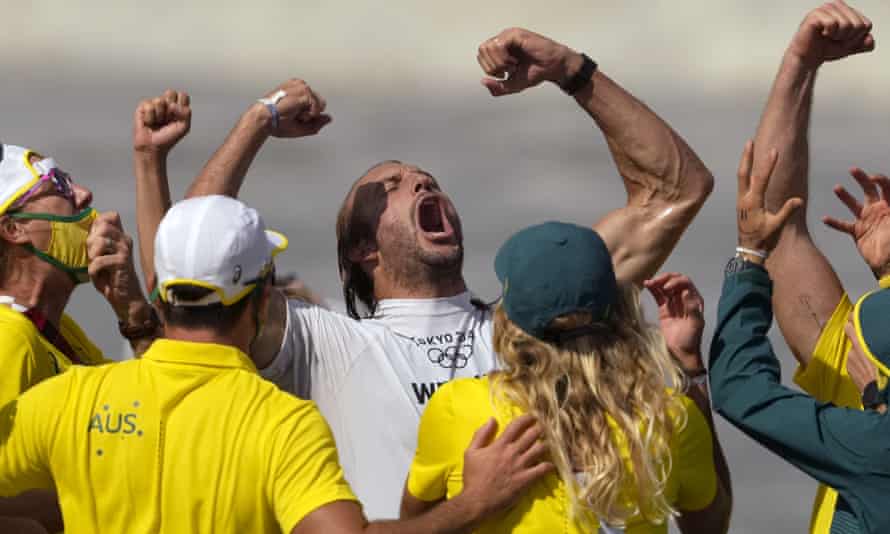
<point>401,81</point>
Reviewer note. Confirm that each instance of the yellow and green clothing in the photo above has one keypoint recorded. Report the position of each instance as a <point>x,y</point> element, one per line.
<point>28,358</point>
<point>460,407</point>
<point>186,439</point>
<point>827,380</point>
<point>841,447</point>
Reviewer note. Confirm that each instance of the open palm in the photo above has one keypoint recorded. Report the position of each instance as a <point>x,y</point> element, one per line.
<point>870,228</point>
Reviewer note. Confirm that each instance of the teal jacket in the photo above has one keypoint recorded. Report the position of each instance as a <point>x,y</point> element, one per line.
<point>846,449</point>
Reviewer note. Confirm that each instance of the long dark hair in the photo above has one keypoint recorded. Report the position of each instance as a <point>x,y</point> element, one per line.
<point>357,227</point>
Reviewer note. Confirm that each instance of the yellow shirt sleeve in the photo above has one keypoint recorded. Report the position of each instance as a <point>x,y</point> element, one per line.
<point>825,377</point>
<point>18,363</point>
<point>27,425</point>
<point>693,461</point>
<point>305,471</point>
<point>434,459</point>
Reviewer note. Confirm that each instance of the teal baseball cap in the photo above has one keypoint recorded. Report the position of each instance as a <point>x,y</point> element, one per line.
<point>870,322</point>
<point>553,269</point>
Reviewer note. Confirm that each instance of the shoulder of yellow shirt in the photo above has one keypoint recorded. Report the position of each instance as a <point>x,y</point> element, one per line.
<point>16,324</point>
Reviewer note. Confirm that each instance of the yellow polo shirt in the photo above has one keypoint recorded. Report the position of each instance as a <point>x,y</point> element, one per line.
<point>460,407</point>
<point>827,380</point>
<point>28,358</point>
<point>186,439</point>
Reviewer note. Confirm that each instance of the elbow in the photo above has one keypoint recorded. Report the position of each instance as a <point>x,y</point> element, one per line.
<point>698,186</point>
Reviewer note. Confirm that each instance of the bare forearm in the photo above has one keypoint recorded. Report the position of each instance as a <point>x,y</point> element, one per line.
<point>665,180</point>
<point>716,516</point>
<point>653,159</point>
<point>225,172</point>
<point>454,516</point>
<point>784,126</point>
<point>152,202</point>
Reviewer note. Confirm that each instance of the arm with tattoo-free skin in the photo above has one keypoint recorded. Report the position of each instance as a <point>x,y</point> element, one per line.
<point>495,475</point>
<point>681,318</point>
<point>158,125</point>
<point>300,114</point>
<point>665,180</point>
<point>806,288</point>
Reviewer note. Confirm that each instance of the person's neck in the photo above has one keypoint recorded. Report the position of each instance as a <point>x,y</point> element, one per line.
<point>441,288</point>
<point>203,335</point>
<point>38,288</point>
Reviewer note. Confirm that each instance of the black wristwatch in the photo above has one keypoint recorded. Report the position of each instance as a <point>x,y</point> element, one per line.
<point>581,78</point>
<point>737,264</point>
<point>871,396</point>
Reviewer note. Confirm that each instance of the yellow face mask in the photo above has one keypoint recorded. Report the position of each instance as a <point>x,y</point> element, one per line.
<point>67,248</point>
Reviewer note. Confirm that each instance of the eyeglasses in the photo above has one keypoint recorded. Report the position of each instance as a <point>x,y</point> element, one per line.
<point>60,179</point>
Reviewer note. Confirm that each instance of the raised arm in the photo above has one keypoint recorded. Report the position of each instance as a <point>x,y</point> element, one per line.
<point>806,288</point>
<point>681,317</point>
<point>665,180</point>
<point>290,110</point>
<point>158,124</point>
<point>838,446</point>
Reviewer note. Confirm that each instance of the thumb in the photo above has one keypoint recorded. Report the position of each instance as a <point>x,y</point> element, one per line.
<point>484,434</point>
<point>499,87</point>
<point>785,212</point>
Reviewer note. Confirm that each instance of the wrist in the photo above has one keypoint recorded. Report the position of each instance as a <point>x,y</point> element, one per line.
<point>795,62</point>
<point>258,118</point>
<point>469,508</point>
<point>148,153</point>
<point>755,254</point>
<point>569,66</point>
<point>132,311</point>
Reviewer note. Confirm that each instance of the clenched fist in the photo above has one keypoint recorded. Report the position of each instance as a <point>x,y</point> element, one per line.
<point>831,32</point>
<point>159,123</point>
<point>524,59</point>
<point>300,110</point>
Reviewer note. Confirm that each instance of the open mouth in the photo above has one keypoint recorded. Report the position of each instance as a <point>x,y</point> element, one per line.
<point>431,219</point>
<point>429,216</point>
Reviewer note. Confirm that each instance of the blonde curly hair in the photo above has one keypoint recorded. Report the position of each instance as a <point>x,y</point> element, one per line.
<point>616,385</point>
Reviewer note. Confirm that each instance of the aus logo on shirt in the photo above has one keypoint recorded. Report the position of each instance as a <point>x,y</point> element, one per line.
<point>109,421</point>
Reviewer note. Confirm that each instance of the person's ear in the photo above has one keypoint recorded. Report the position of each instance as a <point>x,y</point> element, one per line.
<point>13,231</point>
<point>363,253</point>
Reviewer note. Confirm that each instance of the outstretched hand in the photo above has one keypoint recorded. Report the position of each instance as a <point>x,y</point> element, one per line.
<point>832,31</point>
<point>758,229</point>
<point>870,228</point>
<point>159,123</point>
<point>301,110</point>
<point>519,59</point>
<point>681,316</point>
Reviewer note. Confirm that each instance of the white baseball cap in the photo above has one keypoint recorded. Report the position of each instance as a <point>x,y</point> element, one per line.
<point>17,174</point>
<point>215,242</point>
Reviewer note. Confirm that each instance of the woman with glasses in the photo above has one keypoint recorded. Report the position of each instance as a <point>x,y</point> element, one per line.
<point>630,450</point>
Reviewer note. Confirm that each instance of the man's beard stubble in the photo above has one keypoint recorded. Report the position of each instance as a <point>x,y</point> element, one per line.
<point>416,268</point>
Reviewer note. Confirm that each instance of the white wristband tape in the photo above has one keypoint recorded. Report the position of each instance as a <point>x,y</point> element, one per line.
<point>759,253</point>
<point>271,104</point>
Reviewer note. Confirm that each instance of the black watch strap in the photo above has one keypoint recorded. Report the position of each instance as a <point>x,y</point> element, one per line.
<point>581,78</point>
<point>871,396</point>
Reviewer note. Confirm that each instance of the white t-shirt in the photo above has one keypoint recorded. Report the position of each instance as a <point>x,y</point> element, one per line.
<point>371,379</point>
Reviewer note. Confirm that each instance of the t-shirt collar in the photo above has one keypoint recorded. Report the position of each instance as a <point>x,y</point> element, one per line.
<point>461,302</point>
<point>198,354</point>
